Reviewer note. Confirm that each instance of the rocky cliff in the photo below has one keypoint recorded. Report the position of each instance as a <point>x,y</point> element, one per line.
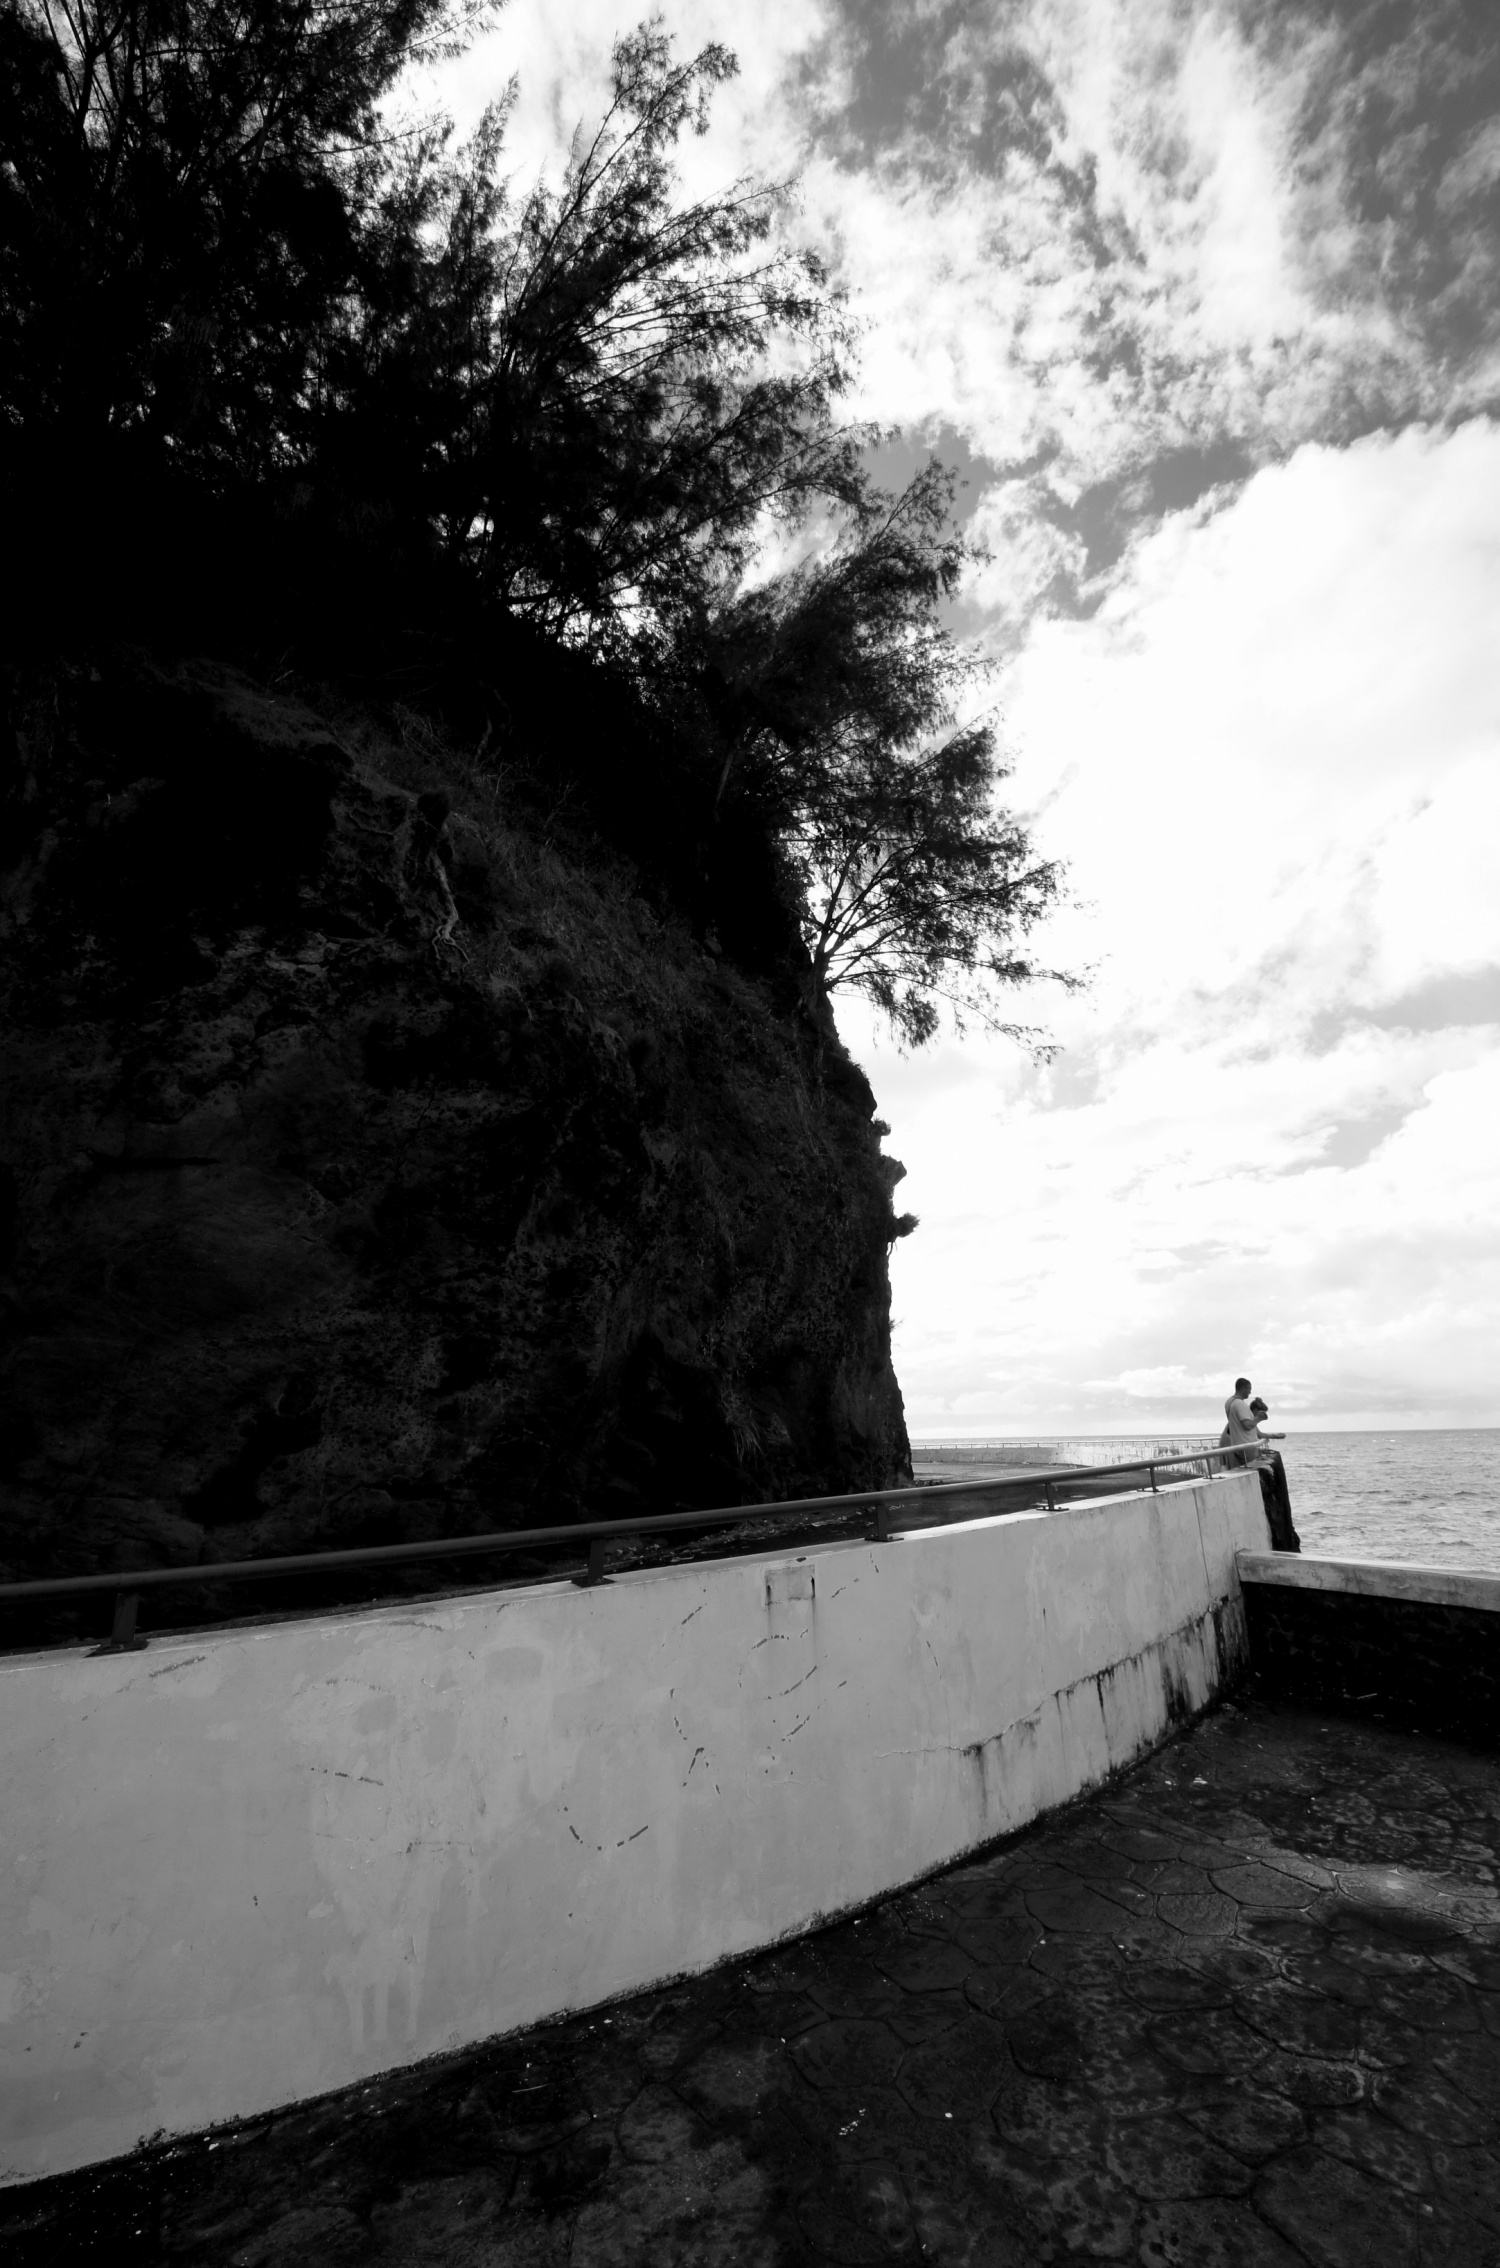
<point>375,1168</point>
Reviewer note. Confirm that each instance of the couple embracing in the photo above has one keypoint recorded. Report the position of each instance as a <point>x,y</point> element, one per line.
<point>1243,1418</point>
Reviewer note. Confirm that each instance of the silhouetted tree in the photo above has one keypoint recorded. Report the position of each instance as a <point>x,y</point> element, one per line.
<point>330,363</point>
<point>632,434</point>
<point>218,265</point>
<point>838,711</point>
<point>184,188</point>
<point>916,890</point>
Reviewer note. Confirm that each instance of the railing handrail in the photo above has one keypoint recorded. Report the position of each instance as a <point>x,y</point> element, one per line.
<point>576,1531</point>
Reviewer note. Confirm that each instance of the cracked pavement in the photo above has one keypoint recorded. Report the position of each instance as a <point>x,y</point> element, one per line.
<point>1239,2010</point>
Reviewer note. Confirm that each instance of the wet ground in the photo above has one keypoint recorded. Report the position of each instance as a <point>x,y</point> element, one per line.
<point>1240,2011</point>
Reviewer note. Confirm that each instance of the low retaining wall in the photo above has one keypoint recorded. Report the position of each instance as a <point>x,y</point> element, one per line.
<point>1073,1449</point>
<point>1416,1647</point>
<point>258,1864</point>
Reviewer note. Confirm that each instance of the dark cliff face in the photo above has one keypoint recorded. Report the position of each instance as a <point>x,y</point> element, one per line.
<point>373,1170</point>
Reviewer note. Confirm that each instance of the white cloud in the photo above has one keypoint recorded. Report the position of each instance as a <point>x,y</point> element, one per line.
<point>1111,283</point>
<point>1299,692</point>
<point>1166,1382</point>
<point>560,57</point>
<point>1274,761</point>
<point>1189,134</point>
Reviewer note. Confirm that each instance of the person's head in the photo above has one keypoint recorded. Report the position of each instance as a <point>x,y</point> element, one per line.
<point>1242,1385</point>
<point>1258,1408</point>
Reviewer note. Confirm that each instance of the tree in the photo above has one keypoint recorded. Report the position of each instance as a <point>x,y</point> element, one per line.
<point>838,685</point>
<point>223,274</point>
<point>915,889</point>
<point>631,433</point>
<point>182,189</point>
<point>348,387</point>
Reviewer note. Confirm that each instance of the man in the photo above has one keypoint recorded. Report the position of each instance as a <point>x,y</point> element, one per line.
<point>1239,1419</point>
<point>1242,1418</point>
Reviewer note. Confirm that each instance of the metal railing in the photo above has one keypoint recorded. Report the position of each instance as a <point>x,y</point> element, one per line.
<point>128,1584</point>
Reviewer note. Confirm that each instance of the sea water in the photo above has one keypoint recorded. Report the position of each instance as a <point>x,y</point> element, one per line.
<point>1426,1496</point>
<point>1432,1497</point>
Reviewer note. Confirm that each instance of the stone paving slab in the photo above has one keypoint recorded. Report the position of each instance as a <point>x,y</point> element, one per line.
<point>1241,2010</point>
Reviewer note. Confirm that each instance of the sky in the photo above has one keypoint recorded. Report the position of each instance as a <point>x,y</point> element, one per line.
<point>1205,302</point>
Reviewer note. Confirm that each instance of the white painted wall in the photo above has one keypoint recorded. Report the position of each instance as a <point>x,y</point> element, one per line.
<point>259,1864</point>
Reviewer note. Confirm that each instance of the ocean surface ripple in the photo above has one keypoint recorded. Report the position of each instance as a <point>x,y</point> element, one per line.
<point>1432,1497</point>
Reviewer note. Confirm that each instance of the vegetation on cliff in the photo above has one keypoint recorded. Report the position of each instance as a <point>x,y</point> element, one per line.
<point>278,375</point>
<point>427,1111</point>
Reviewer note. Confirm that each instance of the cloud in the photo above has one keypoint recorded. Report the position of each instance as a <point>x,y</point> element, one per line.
<point>1268,1146</point>
<point>1164,1384</point>
<point>1135,248</point>
<point>560,59</point>
<point>1319,648</point>
<point>1398,169</point>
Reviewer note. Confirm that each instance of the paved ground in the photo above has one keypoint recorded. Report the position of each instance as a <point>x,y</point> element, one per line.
<point>1242,2009</point>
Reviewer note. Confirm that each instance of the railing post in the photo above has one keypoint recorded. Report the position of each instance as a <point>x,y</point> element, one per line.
<point>880,1531</point>
<point>595,1572</point>
<point>122,1638</point>
<point>1051,1498</point>
<point>1151,1469</point>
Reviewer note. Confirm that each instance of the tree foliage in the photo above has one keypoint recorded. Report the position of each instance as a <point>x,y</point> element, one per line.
<point>235,297</point>
<point>843,691</point>
<point>917,892</point>
<point>185,190</point>
<point>633,432</point>
<point>217,261</point>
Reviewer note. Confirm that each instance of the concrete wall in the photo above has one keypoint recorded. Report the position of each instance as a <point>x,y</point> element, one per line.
<point>1474,1587</point>
<point>1415,1647</point>
<point>263,1863</point>
<point>1059,1449</point>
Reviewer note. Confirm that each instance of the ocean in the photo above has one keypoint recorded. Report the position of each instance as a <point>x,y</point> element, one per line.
<point>1433,1497</point>
<point>1430,1497</point>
